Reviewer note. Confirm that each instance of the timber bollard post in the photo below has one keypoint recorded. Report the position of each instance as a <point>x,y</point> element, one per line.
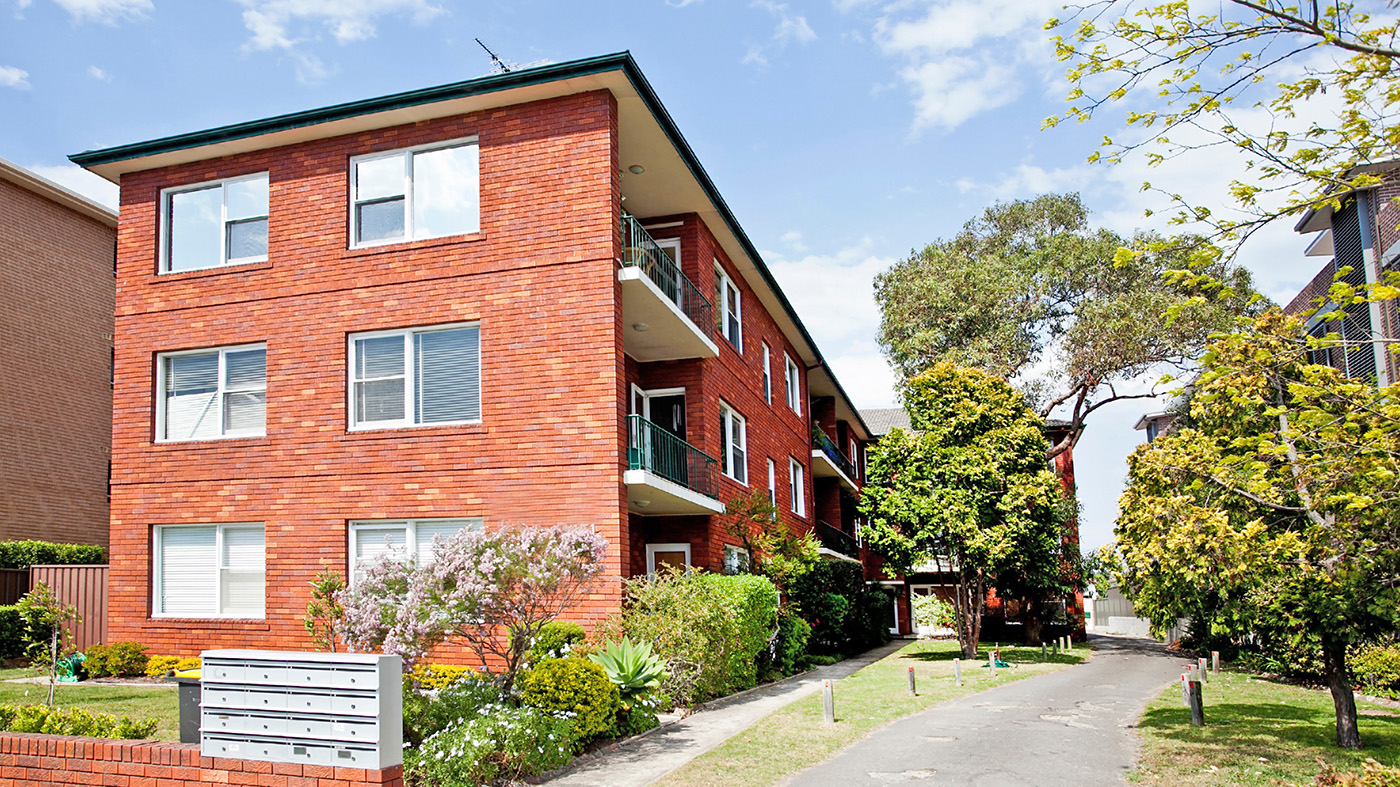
<point>912,692</point>
<point>1215,661</point>
<point>1042,651</point>
<point>1201,670</point>
<point>1197,703</point>
<point>828,703</point>
<point>957,672</point>
<point>992,663</point>
<point>1185,690</point>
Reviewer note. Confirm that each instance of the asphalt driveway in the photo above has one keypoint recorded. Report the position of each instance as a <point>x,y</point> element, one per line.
<point>1071,728</point>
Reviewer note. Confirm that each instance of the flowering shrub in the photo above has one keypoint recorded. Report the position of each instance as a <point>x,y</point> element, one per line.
<point>577,687</point>
<point>557,639</point>
<point>930,610</point>
<point>440,676</point>
<point>499,744</point>
<point>495,589</point>
<point>158,666</point>
<point>429,711</point>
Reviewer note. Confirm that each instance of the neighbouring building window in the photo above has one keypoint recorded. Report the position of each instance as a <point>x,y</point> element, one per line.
<point>401,538</point>
<point>214,224</point>
<point>415,377</point>
<point>767,375</point>
<point>733,444</point>
<point>772,483</point>
<point>422,192</point>
<point>794,390</point>
<point>796,493</point>
<point>727,311</point>
<point>209,571</point>
<point>855,460</point>
<point>212,394</point>
<point>736,560</point>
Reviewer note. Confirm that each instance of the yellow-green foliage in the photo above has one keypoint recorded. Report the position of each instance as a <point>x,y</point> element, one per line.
<point>1373,774</point>
<point>187,663</point>
<point>439,676</point>
<point>157,666</point>
<point>576,686</point>
<point>74,721</point>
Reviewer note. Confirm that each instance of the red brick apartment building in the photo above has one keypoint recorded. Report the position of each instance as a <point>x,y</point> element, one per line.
<point>56,291</point>
<point>1362,238</point>
<point>508,301</point>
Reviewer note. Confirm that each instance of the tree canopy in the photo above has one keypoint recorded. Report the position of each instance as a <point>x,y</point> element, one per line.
<point>1030,291</point>
<point>1277,508</point>
<point>1306,93</point>
<point>970,486</point>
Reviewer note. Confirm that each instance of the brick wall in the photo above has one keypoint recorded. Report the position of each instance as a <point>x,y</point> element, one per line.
<point>56,296</point>
<point>540,279</point>
<point>59,760</point>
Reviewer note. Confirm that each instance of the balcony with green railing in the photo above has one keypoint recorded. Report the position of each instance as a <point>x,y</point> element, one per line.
<point>829,462</point>
<point>836,543</point>
<point>667,475</point>
<point>665,316</point>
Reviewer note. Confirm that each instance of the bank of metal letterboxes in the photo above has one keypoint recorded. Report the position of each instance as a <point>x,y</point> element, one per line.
<point>338,709</point>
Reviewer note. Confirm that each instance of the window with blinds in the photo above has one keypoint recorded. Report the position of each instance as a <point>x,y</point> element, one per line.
<point>212,394</point>
<point>209,571</point>
<point>415,377</point>
<point>400,539</point>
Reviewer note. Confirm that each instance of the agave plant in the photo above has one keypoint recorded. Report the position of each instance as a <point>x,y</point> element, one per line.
<point>632,666</point>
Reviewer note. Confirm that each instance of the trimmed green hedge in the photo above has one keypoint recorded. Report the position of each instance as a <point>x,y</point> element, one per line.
<point>11,633</point>
<point>847,615</point>
<point>711,629</point>
<point>74,721</point>
<point>23,554</point>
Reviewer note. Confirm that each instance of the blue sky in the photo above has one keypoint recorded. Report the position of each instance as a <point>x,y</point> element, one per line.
<point>843,133</point>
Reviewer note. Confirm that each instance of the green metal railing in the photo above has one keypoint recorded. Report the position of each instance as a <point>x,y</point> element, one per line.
<point>649,447</point>
<point>640,250</point>
<point>837,541</point>
<point>828,447</point>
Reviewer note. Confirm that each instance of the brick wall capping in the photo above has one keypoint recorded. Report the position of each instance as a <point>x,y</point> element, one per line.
<point>414,245</point>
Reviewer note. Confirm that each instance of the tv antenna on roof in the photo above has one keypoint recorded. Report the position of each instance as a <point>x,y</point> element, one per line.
<point>498,66</point>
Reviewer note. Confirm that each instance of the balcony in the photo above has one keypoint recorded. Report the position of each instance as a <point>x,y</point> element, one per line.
<point>667,475</point>
<point>835,544</point>
<point>664,316</point>
<point>829,462</point>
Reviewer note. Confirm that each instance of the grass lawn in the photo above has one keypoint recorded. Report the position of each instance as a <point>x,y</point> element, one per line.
<point>796,737</point>
<point>1257,732</point>
<point>137,701</point>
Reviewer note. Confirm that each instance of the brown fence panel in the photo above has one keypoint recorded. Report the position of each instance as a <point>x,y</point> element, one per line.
<point>14,583</point>
<point>84,587</point>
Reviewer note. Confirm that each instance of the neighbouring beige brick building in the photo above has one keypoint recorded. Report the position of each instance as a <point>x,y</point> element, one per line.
<point>57,294</point>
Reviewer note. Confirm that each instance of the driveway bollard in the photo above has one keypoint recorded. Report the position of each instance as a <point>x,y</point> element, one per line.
<point>1042,651</point>
<point>1215,661</point>
<point>1196,701</point>
<point>828,703</point>
<point>992,663</point>
<point>912,692</point>
<point>1185,691</point>
<point>1201,670</point>
<point>957,672</point>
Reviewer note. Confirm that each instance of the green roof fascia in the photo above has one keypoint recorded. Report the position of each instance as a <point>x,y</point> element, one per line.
<point>575,68</point>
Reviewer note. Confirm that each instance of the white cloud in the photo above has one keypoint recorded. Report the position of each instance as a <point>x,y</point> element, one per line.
<point>75,178</point>
<point>13,77</point>
<point>107,12</point>
<point>963,57</point>
<point>281,24</point>
<point>790,28</point>
<point>793,239</point>
<point>99,74</point>
<point>754,57</point>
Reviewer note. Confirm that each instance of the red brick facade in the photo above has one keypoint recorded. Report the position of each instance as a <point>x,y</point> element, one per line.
<point>541,280</point>
<point>56,296</point>
<point>27,760</point>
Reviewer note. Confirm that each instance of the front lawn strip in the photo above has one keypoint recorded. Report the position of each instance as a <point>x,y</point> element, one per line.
<point>795,737</point>
<point>1258,733</point>
<point>136,701</point>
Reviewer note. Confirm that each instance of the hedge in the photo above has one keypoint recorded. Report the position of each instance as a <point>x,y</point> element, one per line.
<point>847,615</point>
<point>23,554</point>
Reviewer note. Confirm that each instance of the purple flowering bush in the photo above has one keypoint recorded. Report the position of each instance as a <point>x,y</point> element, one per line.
<point>491,590</point>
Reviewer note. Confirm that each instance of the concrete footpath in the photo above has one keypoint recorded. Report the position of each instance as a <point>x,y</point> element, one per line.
<point>643,760</point>
<point>1066,729</point>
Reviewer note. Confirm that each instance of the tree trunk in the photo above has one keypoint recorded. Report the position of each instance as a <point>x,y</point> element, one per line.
<point>967,621</point>
<point>1334,660</point>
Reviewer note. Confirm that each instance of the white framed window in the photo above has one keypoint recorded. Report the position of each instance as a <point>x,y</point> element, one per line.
<point>211,394</point>
<point>402,538</point>
<point>855,460</point>
<point>675,556</point>
<point>209,571</point>
<point>772,483</point>
<point>415,377</point>
<point>209,225</point>
<point>737,560</point>
<point>733,442</point>
<point>791,376</point>
<point>728,314</point>
<point>797,494</point>
<point>767,374</point>
<point>429,191</point>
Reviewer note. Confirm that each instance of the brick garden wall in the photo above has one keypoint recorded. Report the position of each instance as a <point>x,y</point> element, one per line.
<point>35,760</point>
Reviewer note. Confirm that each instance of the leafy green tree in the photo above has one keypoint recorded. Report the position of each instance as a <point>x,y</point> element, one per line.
<point>1276,509</point>
<point>325,612</point>
<point>1029,291</point>
<point>1305,93</point>
<point>971,486</point>
<point>774,551</point>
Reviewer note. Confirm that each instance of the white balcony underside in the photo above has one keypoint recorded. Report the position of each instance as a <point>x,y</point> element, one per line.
<point>653,327</point>
<point>823,467</point>
<point>649,494</point>
<point>831,554</point>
